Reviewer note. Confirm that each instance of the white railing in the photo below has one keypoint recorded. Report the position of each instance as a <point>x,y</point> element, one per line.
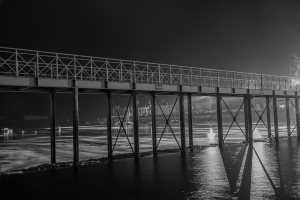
<point>40,64</point>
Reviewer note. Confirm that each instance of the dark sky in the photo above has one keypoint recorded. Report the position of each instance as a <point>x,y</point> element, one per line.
<point>251,36</point>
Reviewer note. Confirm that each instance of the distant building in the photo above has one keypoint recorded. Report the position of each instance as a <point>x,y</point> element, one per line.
<point>35,117</point>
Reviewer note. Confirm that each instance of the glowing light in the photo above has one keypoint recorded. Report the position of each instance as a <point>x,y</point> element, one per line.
<point>211,135</point>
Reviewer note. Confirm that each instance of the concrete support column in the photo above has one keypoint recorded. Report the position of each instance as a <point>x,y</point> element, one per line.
<point>53,126</point>
<point>268,116</point>
<point>75,128</point>
<point>275,117</point>
<point>135,125</point>
<point>153,115</point>
<point>297,117</point>
<point>182,125</point>
<point>288,121</point>
<point>190,121</point>
<point>219,119</point>
<point>108,120</point>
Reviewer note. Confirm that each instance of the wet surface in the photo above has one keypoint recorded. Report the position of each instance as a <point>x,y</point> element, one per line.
<point>240,171</point>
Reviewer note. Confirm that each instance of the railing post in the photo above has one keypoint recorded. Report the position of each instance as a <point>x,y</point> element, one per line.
<point>268,116</point>
<point>261,82</point>
<point>134,73</point>
<point>170,75</point>
<point>75,128</point>
<point>153,115</point>
<point>182,125</point>
<point>288,122</point>
<point>219,120</point>
<point>121,72</point>
<point>108,120</point>
<point>181,76</point>
<point>37,65</point>
<point>75,71</point>
<point>275,117</point>
<point>17,64</point>
<point>190,120</point>
<point>135,125</point>
<point>107,74</point>
<point>53,125</point>
<point>56,60</point>
<point>159,74</point>
<point>218,79</point>
<point>91,68</point>
<point>297,116</point>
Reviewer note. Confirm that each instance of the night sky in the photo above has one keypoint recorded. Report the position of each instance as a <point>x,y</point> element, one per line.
<point>251,36</point>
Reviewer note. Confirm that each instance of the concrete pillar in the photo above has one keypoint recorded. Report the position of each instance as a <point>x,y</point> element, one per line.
<point>275,117</point>
<point>268,116</point>
<point>288,121</point>
<point>182,125</point>
<point>135,125</point>
<point>75,128</point>
<point>153,114</point>
<point>190,120</point>
<point>219,119</point>
<point>108,120</point>
<point>53,126</point>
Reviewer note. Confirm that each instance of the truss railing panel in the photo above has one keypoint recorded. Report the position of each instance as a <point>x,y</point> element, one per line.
<point>40,64</point>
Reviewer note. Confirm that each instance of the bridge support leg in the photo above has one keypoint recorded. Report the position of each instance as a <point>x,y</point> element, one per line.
<point>53,125</point>
<point>135,125</point>
<point>75,128</point>
<point>153,115</point>
<point>297,117</point>
<point>250,132</point>
<point>246,117</point>
<point>275,117</point>
<point>288,122</point>
<point>268,116</point>
<point>182,125</point>
<point>108,120</point>
<point>190,122</point>
<point>219,119</point>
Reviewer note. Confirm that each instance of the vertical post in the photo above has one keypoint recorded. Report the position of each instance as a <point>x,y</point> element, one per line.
<point>275,117</point>
<point>153,114</point>
<point>159,74</point>
<point>108,120</point>
<point>56,60</point>
<point>246,117</point>
<point>297,117</point>
<point>37,64</point>
<point>107,74</point>
<point>268,116</point>
<point>53,125</point>
<point>219,119</point>
<point>190,122</point>
<point>136,125</point>
<point>182,125</point>
<point>249,112</point>
<point>91,68</point>
<point>17,63</point>
<point>75,128</point>
<point>288,121</point>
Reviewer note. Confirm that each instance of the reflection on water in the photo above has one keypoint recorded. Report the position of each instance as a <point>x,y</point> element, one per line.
<point>233,172</point>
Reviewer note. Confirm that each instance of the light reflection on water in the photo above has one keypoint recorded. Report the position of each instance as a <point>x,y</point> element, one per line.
<point>207,167</point>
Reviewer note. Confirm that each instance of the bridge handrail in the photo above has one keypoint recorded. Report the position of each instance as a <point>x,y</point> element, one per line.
<point>31,63</point>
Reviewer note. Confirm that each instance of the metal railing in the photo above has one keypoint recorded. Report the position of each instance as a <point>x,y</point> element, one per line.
<point>41,64</point>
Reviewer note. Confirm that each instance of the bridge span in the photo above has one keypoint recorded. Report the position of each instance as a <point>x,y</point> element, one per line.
<point>24,70</point>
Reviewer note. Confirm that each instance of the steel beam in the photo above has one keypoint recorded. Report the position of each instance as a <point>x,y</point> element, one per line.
<point>288,121</point>
<point>135,125</point>
<point>153,114</point>
<point>249,112</point>
<point>268,116</point>
<point>53,126</point>
<point>297,117</point>
<point>182,125</point>
<point>190,121</point>
<point>275,117</point>
<point>246,117</point>
<point>75,128</point>
<point>219,119</point>
<point>108,123</point>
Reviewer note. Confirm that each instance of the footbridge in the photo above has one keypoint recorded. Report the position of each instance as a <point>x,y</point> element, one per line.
<point>24,70</point>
